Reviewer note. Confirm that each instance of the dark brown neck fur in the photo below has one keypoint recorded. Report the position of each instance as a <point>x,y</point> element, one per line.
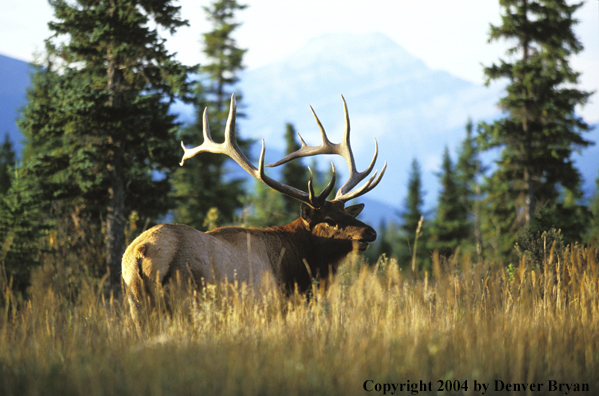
<point>299,244</point>
<point>321,254</point>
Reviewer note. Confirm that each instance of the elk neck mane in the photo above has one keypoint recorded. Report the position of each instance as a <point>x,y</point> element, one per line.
<point>290,247</point>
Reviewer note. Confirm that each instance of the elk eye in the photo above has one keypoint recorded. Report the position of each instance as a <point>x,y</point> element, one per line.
<point>330,222</point>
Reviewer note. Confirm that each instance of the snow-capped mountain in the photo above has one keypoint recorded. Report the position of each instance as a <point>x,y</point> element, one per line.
<point>412,111</point>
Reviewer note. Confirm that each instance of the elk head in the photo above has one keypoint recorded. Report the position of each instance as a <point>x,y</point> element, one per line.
<point>333,221</point>
<point>327,221</point>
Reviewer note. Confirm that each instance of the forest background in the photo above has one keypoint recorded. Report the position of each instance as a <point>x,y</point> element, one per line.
<point>89,176</point>
<point>496,281</point>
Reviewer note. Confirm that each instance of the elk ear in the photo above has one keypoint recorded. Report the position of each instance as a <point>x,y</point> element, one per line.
<point>354,210</point>
<point>307,213</point>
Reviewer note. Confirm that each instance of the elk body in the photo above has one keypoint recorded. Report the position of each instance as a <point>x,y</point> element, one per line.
<point>292,254</point>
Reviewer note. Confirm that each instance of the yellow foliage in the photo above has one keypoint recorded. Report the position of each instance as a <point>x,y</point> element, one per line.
<point>466,322</point>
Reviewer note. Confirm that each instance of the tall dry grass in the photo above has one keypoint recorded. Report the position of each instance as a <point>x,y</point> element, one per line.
<point>463,322</point>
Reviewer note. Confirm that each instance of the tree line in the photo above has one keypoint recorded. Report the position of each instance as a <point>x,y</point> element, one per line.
<point>99,165</point>
<point>533,190</point>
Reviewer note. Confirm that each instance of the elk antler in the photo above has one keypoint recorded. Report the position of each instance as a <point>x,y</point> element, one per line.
<point>230,148</point>
<point>343,149</point>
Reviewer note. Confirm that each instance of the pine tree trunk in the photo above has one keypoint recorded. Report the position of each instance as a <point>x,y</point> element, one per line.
<point>529,207</point>
<point>477,215</point>
<point>115,221</point>
<point>529,201</point>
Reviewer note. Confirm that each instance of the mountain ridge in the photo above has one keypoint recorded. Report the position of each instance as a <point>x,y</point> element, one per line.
<point>14,81</point>
<point>412,111</point>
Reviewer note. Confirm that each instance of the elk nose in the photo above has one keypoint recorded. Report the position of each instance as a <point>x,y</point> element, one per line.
<point>370,234</point>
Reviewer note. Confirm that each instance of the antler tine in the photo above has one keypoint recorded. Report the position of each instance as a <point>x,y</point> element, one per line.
<point>326,147</point>
<point>230,138</point>
<point>309,199</point>
<point>356,177</point>
<point>206,126</point>
<point>325,193</point>
<point>325,140</point>
<point>344,150</point>
<point>319,200</point>
<point>310,186</point>
<point>301,140</point>
<point>346,141</point>
<point>230,148</point>
<point>208,144</point>
<point>369,185</point>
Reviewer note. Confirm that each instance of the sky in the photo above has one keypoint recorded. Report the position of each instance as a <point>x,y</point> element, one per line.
<point>446,35</point>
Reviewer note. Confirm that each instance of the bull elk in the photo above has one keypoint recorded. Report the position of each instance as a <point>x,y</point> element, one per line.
<point>324,234</point>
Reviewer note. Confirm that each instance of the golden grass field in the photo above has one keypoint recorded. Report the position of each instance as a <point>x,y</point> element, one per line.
<point>376,330</point>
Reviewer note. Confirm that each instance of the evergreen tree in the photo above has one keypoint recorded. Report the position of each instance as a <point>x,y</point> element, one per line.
<point>451,226</point>
<point>499,225</point>
<point>384,243</point>
<point>226,59</point>
<point>22,227</point>
<point>540,129</point>
<point>411,218</point>
<point>264,207</point>
<point>468,167</point>
<point>97,129</point>
<point>294,174</point>
<point>592,236</point>
<point>468,171</point>
<point>203,183</point>
<point>413,204</point>
<point>7,164</point>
